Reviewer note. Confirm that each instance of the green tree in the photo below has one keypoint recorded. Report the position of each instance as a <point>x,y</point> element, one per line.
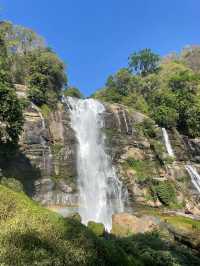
<point>11,118</point>
<point>19,41</point>
<point>46,76</point>
<point>144,62</point>
<point>122,82</point>
<point>73,92</point>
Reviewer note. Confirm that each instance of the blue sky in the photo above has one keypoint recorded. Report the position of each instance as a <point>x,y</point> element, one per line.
<point>95,37</point>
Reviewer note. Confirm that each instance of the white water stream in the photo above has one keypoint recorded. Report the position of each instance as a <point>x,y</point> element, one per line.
<point>99,187</point>
<point>195,177</point>
<point>167,143</point>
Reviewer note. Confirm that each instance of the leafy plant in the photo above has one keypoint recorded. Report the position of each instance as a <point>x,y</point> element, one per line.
<point>144,62</point>
<point>145,169</point>
<point>165,192</point>
<point>11,117</point>
<point>73,92</point>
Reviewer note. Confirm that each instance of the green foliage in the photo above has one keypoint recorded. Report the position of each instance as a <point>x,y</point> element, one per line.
<point>136,101</point>
<point>45,110</point>
<point>73,92</point>
<point>108,95</point>
<point>144,62</point>
<point>32,235</point>
<point>165,192</point>
<point>150,249</point>
<point>122,82</point>
<point>12,183</point>
<point>160,151</point>
<point>165,116</point>
<point>32,64</point>
<point>11,118</point>
<point>170,96</point>
<point>56,148</point>
<point>145,169</point>
<point>123,88</point>
<point>147,128</point>
<point>45,78</point>
<point>97,228</point>
<point>19,41</point>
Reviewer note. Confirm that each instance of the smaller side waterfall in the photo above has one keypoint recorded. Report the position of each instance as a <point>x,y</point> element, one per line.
<point>167,143</point>
<point>124,116</point>
<point>40,114</point>
<point>194,176</point>
<point>118,119</point>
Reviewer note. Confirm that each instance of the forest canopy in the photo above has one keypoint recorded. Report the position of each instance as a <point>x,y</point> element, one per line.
<point>167,89</point>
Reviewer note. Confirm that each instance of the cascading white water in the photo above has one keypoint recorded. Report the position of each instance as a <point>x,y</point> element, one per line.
<point>124,116</point>
<point>167,142</point>
<point>100,189</point>
<point>194,176</point>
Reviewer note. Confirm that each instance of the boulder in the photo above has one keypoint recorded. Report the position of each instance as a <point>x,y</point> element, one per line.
<point>124,224</point>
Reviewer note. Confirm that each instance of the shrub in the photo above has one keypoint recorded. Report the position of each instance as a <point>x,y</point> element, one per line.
<point>97,228</point>
<point>165,192</point>
<point>73,92</point>
<point>46,110</point>
<point>148,128</point>
<point>12,183</point>
<point>45,78</point>
<point>145,169</point>
<point>11,116</point>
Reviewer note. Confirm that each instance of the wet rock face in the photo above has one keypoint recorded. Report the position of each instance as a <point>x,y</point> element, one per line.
<point>50,146</point>
<point>124,142</point>
<point>46,163</point>
<point>127,146</point>
<point>193,146</point>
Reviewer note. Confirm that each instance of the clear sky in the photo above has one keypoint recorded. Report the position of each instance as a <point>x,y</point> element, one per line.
<point>95,37</point>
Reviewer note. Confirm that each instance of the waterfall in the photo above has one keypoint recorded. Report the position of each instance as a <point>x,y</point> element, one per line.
<point>40,114</point>
<point>118,119</point>
<point>194,176</point>
<point>99,187</point>
<point>124,116</point>
<point>167,142</point>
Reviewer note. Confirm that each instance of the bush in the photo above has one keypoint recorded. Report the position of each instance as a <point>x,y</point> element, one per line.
<point>165,192</point>
<point>149,128</point>
<point>46,77</point>
<point>46,110</point>
<point>11,116</point>
<point>12,183</point>
<point>145,169</point>
<point>97,228</point>
<point>73,92</point>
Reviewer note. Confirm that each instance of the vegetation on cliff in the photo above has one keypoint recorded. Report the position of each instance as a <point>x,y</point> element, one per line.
<point>34,64</point>
<point>11,118</point>
<point>25,59</point>
<point>167,90</point>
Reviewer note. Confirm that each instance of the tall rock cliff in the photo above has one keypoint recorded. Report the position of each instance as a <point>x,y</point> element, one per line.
<point>46,160</point>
